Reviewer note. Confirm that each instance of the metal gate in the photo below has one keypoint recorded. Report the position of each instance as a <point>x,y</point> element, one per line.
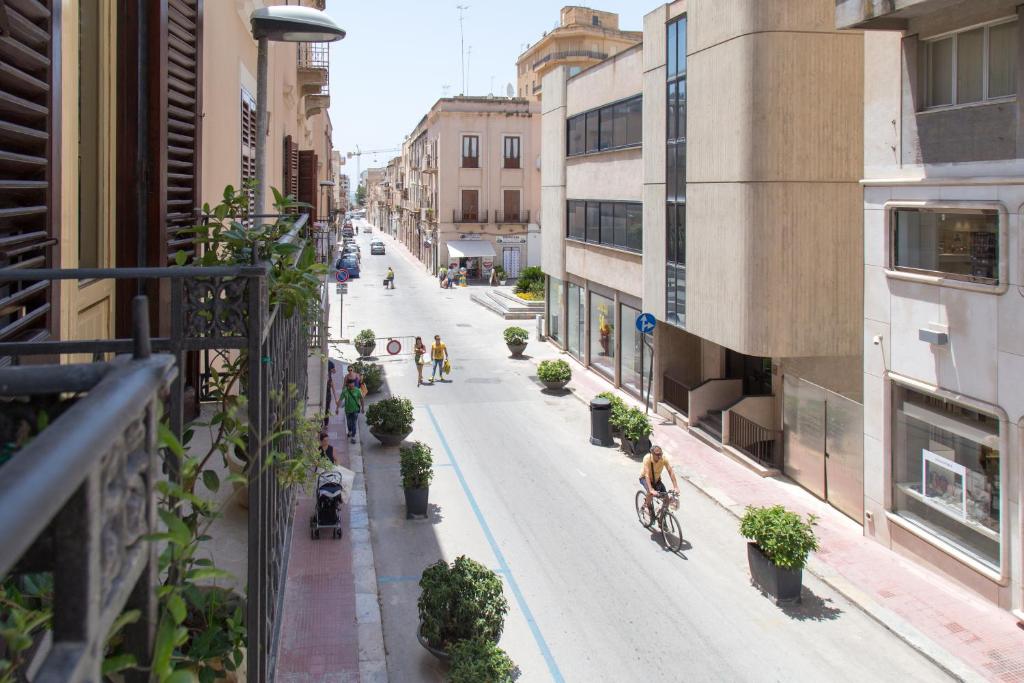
<point>823,435</point>
<point>510,261</point>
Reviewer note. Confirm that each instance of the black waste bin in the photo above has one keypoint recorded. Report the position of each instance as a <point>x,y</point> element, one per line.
<point>600,429</point>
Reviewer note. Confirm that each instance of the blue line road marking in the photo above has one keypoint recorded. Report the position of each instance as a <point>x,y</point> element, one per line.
<point>556,675</point>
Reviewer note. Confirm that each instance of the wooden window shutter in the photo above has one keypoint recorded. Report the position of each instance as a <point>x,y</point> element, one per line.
<point>248,112</point>
<point>308,184</point>
<point>291,168</point>
<point>28,165</point>
<point>184,109</point>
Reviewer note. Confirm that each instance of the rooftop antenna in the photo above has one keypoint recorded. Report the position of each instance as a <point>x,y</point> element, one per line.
<point>462,45</point>
<point>469,55</point>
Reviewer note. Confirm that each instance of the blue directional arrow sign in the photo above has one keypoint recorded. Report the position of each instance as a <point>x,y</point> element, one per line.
<point>645,323</point>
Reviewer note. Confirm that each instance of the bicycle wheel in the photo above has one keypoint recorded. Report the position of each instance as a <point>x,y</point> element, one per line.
<point>643,513</point>
<point>671,532</point>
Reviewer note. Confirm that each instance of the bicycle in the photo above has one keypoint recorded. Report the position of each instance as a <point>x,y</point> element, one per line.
<point>671,531</point>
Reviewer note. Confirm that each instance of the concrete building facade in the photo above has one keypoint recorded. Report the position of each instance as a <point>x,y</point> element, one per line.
<point>583,37</point>
<point>942,327</point>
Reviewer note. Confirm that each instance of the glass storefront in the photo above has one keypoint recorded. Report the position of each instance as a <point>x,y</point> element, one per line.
<point>602,334</point>
<point>634,356</point>
<point>575,317</point>
<point>555,301</point>
<point>946,476</point>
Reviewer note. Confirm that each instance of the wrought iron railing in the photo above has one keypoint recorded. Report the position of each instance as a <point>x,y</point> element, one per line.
<point>221,308</point>
<point>512,216</point>
<point>753,440</point>
<point>316,56</point>
<point>462,216</point>
<point>591,54</point>
<point>675,394</point>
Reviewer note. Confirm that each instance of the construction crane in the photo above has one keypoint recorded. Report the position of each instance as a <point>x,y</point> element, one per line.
<point>358,154</point>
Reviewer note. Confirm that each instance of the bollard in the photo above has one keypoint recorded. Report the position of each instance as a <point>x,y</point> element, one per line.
<point>540,328</point>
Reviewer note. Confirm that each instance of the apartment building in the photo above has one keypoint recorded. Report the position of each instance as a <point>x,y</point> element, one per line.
<point>583,37</point>
<point>747,202</point>
<point>122,118</point>
<point>376,202</point>
<point>943,320</point>
<point>470,184</point>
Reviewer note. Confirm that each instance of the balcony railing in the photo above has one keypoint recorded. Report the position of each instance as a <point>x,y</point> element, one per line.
<point>461,216</point>
<point>107,441</point>
<point>314,59</point>
<point>512,216</point>
<point>758,442</point>
<point>564,54</point>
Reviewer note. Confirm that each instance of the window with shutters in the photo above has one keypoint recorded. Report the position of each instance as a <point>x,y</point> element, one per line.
<point>291,168</point>
<point>249,145</point>
<point>470,151</point>
<point>183,123</point>
<point>27,165</point>
<point>308,182</point>
<point>512,144</point>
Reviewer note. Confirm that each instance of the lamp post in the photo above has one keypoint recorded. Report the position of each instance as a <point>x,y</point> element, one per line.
<point>287,24</point>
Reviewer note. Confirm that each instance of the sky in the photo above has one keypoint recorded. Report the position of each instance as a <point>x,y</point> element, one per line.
<point>398,54</point>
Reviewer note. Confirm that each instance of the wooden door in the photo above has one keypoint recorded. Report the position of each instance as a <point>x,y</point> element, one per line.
<point>470,205</point>
<point>511,207</point>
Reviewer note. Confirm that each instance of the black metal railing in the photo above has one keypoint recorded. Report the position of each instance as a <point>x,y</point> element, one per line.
<point>316,56</point>
<point>753,440</point>
<point>462,216</point>
<point>563,54</point>
<point>512,216</point>
<point>675,394</point>
<point>220,308</point>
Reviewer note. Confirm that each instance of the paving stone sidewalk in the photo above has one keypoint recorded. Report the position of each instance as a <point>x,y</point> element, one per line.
<point>958,630</point>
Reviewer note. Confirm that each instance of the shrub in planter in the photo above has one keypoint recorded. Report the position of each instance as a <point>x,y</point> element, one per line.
<point>416,467</point>
<point>618,410</point>
<point>636,428</point>
<point>515,339</point>
<point>480,660</point>
<point>555,374</point>
<point>390,419</point>
<point>781,543</point>
<point>372,374</point>
<point>365,342</point>
<point>529,278</point>
<point>460,601</point>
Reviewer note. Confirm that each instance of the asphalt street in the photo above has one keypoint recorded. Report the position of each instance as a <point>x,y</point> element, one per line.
<point>518,486</point>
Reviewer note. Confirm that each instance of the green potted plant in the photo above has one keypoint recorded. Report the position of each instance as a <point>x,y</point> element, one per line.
<point>390,420</point>
<point>460,601</point>
<point>502,277</point>
<point>636,431</point>
<point>780,541</point>
<point>618,412</point>
<point>416,467</point>
<point>554,374</point>
<point>515,339</point>
<point>477,660</point>
<point>372,374</point>
<point>365,342</point>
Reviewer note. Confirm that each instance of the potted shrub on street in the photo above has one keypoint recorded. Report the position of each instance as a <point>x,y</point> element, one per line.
<point>554,374</point>
<point>780,543</point>
<point>416,469</point>
<point>365,343</point>
<point>502,277</point>
<point>460,601</point>
<point>390,420</point>
<point>515,339</point>
<point>479,660</point>
<point>372,374</point>
<point>636,430</point>
<point>618,412</point>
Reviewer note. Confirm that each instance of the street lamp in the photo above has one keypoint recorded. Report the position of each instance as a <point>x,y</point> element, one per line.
<point>285,24</point>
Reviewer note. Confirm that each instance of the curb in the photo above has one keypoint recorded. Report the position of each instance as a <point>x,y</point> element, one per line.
<point>370,630</point>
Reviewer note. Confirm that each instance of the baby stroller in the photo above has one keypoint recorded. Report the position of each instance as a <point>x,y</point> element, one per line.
<point>327,514</point>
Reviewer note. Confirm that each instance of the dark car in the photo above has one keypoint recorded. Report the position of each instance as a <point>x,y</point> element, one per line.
<point>376,248</point>
<point>349,262</point>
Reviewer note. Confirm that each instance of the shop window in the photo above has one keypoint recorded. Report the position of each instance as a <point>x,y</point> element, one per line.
<point>555,291</point>
<point>957,243</point>
<point>970,66</point>
<point>634,354</point>
<point>602,334</point>
<point>946,472</point>
<point>575,319</point>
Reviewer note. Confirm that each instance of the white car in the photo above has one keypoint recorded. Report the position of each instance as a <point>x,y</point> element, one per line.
<point>367,228</point>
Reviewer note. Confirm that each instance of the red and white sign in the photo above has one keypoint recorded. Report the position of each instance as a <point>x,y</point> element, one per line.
<point>394,347</point>
<point>341,275</point>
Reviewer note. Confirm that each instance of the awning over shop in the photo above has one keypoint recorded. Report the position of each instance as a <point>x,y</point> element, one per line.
<point>470,249</point>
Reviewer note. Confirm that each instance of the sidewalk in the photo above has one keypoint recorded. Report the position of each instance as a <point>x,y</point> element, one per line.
<point>944,621</point>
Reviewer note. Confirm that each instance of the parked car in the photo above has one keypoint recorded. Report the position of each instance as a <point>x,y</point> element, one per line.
<point>348,231</point>
<point>367,228</point>
<point>349,262</point>
<point>376,248</point>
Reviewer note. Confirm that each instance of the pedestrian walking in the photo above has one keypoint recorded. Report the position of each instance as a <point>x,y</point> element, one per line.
<point>439,356</point>
<point>332,391</point>
<point>354,377</point>
<point>419,351</point>
<point>352,399</point>
<point>494,277</point>
<point>389,279</point>
<point>326,449</point>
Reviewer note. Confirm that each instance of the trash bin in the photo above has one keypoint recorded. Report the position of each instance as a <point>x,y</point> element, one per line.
<point>600,429</point>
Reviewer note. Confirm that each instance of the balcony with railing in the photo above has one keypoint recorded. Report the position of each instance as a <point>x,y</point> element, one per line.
<point>513,217</point>
<point>314,76</point>
<point>569,54</point>
<point>463,216</point>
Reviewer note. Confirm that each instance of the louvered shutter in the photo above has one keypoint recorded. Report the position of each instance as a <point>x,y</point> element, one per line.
<point>27,164</point>
<point>184,41</point>
<point>248,112</point>
<point>291,168</point>
<point>308,181</point>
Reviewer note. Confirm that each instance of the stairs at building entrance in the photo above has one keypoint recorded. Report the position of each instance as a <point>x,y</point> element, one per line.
<point>711,424</point>
<point>504,302</point>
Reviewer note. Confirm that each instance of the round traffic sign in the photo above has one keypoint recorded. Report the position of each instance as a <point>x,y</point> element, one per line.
<point>341,275</point>
<point>394,346</point>
<point>645,323</point>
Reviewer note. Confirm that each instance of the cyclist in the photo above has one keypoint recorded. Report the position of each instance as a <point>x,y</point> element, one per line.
<point>654,464</point>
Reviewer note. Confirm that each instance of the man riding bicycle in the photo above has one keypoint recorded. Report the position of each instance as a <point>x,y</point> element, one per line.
<point>654,464</point>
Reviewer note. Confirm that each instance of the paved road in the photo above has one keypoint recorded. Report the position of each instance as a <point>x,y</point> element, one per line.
<point>518,487</point>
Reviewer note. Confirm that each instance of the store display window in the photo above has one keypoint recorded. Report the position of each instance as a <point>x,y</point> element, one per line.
<point>946,472</point>
<point>575,321</point>
<point>602,334</point>
<point>555,301</point>
<point>960,244</point>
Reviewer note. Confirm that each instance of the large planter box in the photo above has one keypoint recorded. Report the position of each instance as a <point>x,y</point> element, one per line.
<point>638,448</point>
<point>555,386</point>
<point>516,349</point>
<point>781,584</point>
<point>440,654</point>
<point>416,502</point>
<point>390,440</point>
<point>365,350</point>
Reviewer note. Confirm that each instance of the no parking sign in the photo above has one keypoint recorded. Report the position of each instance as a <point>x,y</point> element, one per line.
<point>341,275</point>
<point>394,347</point>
